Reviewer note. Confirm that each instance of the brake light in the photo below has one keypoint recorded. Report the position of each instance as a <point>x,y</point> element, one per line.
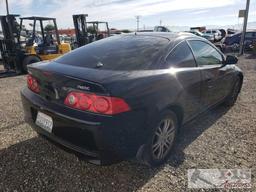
<point>32,84</point>
<point>95,103</point>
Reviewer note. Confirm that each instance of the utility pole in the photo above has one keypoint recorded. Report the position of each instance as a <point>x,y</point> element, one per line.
<point>241,51</point>
<point>160,22</point>
<point>138,22</point>
<point>7,7</point>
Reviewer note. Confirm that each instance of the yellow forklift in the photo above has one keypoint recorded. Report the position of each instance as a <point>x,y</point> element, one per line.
<point>88,32</point>
<point>20,47</point>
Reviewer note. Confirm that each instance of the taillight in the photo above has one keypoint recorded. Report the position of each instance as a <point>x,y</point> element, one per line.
<point>32,84</point>
<point>96,103</point>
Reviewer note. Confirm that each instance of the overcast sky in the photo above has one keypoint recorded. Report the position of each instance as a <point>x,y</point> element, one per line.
<point>121,13</point>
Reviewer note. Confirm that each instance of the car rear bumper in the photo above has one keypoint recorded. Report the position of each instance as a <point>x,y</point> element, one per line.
<point>102,139</point>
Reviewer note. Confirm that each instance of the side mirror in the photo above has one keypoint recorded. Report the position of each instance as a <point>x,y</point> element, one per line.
<point>231,60</point>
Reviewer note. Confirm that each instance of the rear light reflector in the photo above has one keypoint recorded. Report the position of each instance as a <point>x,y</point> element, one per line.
<point>96,103</point>
<point>32,83</point>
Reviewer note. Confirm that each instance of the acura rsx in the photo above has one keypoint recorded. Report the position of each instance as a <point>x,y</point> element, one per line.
<point>127,96</point>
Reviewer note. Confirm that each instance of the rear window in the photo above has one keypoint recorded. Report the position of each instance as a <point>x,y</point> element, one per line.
<point>124,52</point>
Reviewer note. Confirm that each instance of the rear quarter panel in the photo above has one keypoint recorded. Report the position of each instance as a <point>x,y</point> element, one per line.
<point>154,91</point>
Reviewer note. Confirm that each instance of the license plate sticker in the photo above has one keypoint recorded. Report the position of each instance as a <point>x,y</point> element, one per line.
<point>44,121</point>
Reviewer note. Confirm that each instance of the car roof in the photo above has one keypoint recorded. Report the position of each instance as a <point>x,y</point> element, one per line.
<point>167,35</point>
<point>171,36</point>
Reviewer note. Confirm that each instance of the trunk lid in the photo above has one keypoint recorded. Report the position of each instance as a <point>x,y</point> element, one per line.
<point>56,82</point>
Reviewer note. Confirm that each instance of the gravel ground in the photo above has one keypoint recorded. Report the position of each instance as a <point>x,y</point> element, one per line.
<point>221,138</point>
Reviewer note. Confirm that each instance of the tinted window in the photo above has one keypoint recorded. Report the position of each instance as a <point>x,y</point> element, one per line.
<point>124,52</point>
<point>205,54</point>
<point>181,56</point>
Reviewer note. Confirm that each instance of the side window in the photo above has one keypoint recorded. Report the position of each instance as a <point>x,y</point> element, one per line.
<point>205,54</point>
<point>181,56</point>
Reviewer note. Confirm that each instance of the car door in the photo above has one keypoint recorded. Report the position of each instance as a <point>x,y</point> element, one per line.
<point>216,78</point>
<point>188,76</point>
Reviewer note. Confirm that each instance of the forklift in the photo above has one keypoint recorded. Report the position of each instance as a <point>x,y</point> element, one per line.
<point>39,45</point>
<point>9,43</point>
<point>83,33</point>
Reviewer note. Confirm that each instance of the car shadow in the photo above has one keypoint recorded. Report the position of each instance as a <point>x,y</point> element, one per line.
<point>4,74</point>
<point>37,165</point>
<point>192,130</point>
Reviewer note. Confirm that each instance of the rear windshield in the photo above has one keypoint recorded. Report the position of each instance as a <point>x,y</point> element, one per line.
<point>123,52</point>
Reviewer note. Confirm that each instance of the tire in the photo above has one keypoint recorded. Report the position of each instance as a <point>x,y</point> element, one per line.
<point>156,153</point>
<point>232,97</point>
<point>29,60</point>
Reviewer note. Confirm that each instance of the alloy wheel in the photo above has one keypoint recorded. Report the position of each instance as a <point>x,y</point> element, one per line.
<point>163,139</point>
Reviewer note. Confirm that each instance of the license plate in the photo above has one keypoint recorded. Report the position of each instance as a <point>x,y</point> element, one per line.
<point>44,121</point>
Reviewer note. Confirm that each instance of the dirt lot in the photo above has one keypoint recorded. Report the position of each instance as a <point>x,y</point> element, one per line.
<point>221,138</point>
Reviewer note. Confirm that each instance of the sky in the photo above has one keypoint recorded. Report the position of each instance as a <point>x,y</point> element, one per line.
<point>121,13</point>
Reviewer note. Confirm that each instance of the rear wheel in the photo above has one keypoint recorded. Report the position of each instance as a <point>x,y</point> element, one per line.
<point>162,139</point>
<point>29,60</point>
<point>231,99</point>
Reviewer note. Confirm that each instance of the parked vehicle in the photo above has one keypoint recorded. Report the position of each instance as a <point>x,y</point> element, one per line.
<point>128,95</point>
<point>231,31</point>
<point>233,42</point>
<point>161,29</point>
<point>216,34</point>
<point>209,37</point>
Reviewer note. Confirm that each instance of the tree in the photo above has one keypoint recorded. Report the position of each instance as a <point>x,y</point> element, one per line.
<point>49,27</point>
<point>125,31</point>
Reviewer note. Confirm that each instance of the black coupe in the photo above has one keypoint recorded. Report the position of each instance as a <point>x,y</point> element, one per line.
<point>126,96</point>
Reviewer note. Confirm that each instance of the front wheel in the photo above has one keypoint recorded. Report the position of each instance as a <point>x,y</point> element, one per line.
<point>162,139</point>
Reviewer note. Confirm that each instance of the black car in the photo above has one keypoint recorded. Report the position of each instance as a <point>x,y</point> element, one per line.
<point>233,41</point>
<point>128,95</point>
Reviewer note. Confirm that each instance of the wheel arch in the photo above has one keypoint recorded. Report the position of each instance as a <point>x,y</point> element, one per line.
<point>241,77</point>
<point>178,110</point>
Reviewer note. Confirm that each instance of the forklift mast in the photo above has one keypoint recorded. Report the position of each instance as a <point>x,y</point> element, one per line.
<point>9,44</point>
<point>81,29</point>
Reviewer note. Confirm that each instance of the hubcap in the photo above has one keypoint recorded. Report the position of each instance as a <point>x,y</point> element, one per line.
<point>163,138</point>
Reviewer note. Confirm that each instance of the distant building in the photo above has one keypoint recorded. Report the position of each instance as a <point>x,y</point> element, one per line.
<point>68,32</point>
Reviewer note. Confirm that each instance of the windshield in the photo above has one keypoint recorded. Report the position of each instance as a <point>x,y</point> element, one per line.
<point>124,52</point>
